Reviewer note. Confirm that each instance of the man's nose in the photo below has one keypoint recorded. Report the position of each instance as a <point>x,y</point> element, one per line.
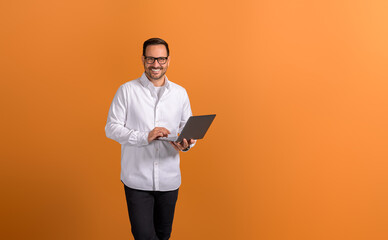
<point>155,64</point>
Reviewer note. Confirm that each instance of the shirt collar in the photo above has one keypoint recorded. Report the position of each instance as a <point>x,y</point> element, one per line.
<point>147,83</point>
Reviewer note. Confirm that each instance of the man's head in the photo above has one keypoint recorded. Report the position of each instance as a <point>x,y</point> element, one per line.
<point>156,58</point>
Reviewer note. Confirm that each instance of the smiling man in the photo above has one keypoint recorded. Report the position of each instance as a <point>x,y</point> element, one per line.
<point>143,110</point>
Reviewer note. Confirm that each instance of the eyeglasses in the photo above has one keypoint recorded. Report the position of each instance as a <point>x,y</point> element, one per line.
<point>151,60</point>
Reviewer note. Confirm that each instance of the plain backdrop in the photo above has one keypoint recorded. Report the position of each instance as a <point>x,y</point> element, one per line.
<point>298,150</point>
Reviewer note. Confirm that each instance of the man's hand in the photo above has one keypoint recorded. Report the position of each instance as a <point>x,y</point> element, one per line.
<point>182,145</point>
<point>157,132</point>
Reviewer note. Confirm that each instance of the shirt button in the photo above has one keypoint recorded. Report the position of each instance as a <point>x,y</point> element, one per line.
<point>156,163</point>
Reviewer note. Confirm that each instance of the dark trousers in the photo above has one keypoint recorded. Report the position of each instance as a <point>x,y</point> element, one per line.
<point>151,213</point>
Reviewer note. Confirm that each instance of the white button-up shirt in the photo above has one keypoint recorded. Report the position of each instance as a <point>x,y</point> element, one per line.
<point>134,112</point>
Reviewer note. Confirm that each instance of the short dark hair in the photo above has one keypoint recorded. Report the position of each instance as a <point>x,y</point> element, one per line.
<point>155,41</point>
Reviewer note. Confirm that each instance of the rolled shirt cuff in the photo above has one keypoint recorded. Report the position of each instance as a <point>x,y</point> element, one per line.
<point>142,138</point>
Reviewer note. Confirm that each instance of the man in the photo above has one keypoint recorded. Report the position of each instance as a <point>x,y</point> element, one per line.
<point>142,111</point>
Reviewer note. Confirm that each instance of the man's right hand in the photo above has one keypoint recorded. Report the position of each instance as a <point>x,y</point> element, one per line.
<point>157,132</point>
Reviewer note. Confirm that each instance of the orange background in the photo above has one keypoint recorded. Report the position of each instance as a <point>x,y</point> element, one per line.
<point>298,149</point>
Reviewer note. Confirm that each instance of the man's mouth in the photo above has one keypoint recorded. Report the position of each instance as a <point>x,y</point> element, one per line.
<point>155,70</point>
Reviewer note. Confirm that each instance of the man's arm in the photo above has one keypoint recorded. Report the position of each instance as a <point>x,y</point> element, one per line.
<point>115,127</point>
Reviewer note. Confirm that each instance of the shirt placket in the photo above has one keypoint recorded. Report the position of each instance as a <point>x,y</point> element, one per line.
<point>156,144</point>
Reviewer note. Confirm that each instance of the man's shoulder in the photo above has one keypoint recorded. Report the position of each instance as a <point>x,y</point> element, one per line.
<point>177,87</point>
<point>130,84</point>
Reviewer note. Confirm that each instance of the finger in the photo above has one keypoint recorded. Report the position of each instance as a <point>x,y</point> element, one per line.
<point>178,145</point>
<point>160,130</point>
<point>185,144</point>
<point>164,131</point>
<point>192,141</point>
<point>176,148</point>
<point>167,131</point>
<point>157,135</point>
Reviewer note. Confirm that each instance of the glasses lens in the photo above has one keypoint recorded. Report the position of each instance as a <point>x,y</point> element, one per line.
<point>150,60</point>
<point>162,60</point>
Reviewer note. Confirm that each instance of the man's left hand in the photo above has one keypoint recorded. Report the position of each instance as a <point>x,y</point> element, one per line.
<point>182,145</point>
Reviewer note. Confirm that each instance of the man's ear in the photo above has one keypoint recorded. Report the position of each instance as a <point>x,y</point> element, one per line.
<point>142,59</point>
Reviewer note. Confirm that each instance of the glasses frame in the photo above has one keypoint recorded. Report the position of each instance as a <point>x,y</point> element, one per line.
<point>157,59</point>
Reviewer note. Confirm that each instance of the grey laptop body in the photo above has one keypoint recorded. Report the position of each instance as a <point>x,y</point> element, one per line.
<point>195,128</point>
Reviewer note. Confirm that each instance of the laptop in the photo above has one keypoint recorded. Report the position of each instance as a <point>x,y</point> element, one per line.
<point>195,128</point>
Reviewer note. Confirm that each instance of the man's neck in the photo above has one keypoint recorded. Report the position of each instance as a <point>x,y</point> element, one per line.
<point>159,82</point>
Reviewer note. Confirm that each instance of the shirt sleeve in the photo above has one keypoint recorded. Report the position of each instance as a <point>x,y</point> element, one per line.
<point>115,126</point>
<point>186,113</point>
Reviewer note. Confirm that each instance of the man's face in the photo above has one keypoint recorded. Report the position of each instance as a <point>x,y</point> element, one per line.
<point>155,71</point>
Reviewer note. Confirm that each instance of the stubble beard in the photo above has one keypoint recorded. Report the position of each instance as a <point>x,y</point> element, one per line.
<point>159,76</point>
